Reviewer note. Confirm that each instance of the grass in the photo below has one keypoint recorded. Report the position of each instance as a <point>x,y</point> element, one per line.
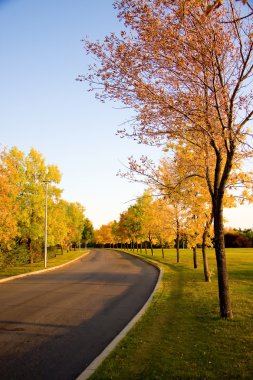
<point>181,335</point>
<point>51,262</point>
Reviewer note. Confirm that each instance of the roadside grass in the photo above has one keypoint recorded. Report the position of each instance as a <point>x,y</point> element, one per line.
<point>59,259</point>
<point>181,335</point>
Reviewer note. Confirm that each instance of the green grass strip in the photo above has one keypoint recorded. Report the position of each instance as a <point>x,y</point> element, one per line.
<point>51,262</point>
<point>181,335</point>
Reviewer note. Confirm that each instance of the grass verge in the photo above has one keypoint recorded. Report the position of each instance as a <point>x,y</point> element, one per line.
<point>181,335</point>
<point>59,259</point>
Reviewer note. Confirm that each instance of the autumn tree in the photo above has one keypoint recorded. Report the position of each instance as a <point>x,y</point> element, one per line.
<point>162,222</point>
<point>58,225</point>
<point>188,80</point>
<point>118,233</point>
<point>123,228</point>
<point>103,235</point>
<point>88,232</point>
<point>30,172</point>
<point>75,223</point>
<point>8,199</point>
<point>22,208</point>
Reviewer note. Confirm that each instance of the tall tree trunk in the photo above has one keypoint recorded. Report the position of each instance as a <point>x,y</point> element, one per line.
<point>195,262</point>
<point>145,244</point>
<point>204,255</point>
<point>177,242</point>
<point>141,247</point>
<point>151,245</point>
<point>224,297</point>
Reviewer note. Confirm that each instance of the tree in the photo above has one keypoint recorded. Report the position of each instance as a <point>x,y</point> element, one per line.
<point>123,230</point>
<point>30,172</point>
<point>9,207</point>
<point>88,232</point>
<point>210,6</point>
<point>58,224</point>
<point>188,80</point>
<point>75,223</point>
<point>104,234</point>
<point>162,222</point>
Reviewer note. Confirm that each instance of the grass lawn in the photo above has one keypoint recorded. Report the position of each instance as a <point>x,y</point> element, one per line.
<point>181,336</point>
<point>51,262</point>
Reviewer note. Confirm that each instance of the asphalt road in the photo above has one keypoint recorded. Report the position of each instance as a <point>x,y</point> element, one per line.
<point>52,325</point>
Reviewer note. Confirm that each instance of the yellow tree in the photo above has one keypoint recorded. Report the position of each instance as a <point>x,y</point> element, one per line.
<point>9,206</point>
<point>123,228</point>
<point>58,225</point>
<point>75,223</point>
<point>188,79</point>
<point>104,235</point>
<point>144,219</point>
<point>162,222</point>
<point>31,171</point>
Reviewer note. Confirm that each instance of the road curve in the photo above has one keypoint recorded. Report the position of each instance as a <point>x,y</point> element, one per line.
<point>54,324</point>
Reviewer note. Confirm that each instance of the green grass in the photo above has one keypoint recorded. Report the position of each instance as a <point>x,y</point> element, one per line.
<point>181,335</point>
<point>51,262</point>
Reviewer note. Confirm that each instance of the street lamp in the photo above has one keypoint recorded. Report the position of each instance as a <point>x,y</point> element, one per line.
<point>45,231</point>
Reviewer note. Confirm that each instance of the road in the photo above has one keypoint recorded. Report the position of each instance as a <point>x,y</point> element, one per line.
<point>52,325</point>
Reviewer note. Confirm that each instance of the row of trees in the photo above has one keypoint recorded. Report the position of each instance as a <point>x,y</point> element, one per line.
<point>185,67</point>
<point>22,208</point>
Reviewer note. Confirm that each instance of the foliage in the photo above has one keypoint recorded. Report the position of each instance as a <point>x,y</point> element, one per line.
<point>22,208</point>
<point>238,238</point>
<point>104,235</point>
<point>88,231</point>
<point>189,79</point>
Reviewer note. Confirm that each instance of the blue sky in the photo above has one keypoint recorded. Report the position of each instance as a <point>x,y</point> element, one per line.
<point>43,106</point>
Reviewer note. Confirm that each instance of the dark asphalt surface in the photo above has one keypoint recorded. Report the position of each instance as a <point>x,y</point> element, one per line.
<point>52,325</point>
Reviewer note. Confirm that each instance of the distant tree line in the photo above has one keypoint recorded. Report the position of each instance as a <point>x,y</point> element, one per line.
<point>238,238</point>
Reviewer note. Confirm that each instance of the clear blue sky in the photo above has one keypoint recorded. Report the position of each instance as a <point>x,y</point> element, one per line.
<point>42,106</point>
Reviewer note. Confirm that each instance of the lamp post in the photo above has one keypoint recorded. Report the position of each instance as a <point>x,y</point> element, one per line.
<point>45,231</point>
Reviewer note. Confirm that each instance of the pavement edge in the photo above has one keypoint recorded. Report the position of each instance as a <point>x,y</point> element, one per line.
<point>103,355</point>
<point>42,270</point>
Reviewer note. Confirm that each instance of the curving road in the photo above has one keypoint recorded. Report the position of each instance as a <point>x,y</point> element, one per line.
<point>52,325</point>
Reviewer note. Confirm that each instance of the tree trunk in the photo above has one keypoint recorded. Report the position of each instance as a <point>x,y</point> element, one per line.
<point>162,252</point>
<point>195,262</point>
<point>204,255</point>
<point>141,247</point>
<point>146,248</point>
<point>224,297</point>
<point>151,245</point>
<point>29,244</point>
<point>177,242</point>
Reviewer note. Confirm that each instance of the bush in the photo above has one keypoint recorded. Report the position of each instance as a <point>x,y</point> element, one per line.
<point>17,255</point>
<point>236,240</point>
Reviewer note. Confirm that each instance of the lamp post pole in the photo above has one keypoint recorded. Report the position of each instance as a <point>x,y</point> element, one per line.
<point>45,232</point>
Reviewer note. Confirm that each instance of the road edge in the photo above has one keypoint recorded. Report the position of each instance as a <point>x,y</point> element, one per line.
<point>111,346</point>
<point>42,270</point>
